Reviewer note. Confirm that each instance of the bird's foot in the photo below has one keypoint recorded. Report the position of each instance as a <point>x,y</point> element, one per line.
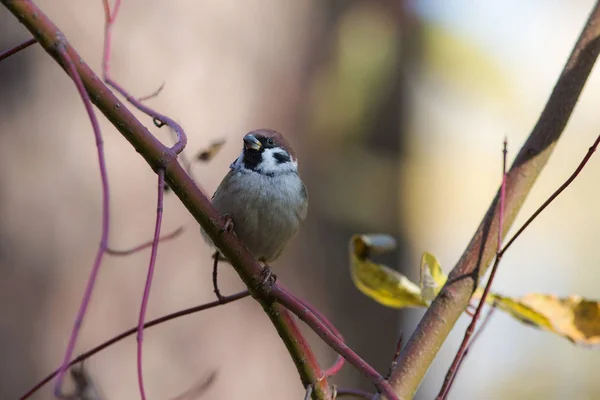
<point>228,225</point>
<point>268,278</point>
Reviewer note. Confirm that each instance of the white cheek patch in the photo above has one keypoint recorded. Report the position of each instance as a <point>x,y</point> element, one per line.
<point>269,164</point>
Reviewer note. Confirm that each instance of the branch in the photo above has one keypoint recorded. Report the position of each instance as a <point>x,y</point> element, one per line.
<point>441,316</point>
<point>158,157</point>
<point>462,350</point>
<point>17,49</point>
<point>224,300</point>
<point>146,296</point>
<point>143,246</point>
<point>159,119</point>
<point>69,65</point>
<point>329,337</point>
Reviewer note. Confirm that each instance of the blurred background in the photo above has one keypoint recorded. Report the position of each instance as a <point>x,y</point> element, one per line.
<point>397,109</point>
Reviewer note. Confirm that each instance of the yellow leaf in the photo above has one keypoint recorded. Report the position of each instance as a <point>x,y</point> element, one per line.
<point>573,317</point>
<point>381,283</point>
<point>432,276</point>
<point>519,311</point>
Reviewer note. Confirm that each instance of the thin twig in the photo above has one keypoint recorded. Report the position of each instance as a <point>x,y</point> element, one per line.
<point>17,49</point>
<point>159,156</point>
<point>554,195</point>
<point>70,66</point>
<point>153,94</point>
<point>486,320</point>
<point>152,264</point>
<point>305,315</point>
<point>459,357</point>
<point>215,277</point>
<point>129,332</point>
<point>159,119</point>
<point>394,363</point>
<point>501,251</point>
<point>144,246</point>
<point>441,316</point>
<point>340,361</point>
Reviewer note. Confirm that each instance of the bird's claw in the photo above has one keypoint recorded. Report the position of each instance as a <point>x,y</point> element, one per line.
<point>228,225</point>
<point>268,278</point>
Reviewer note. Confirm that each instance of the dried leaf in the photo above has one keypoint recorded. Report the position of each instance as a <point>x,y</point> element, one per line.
<point>211,151</point>
<point>573,317</point>
<point>381,283</point>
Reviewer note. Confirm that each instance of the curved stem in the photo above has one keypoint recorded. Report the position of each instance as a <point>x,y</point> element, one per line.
<point>87,296</point>
<point>146,296</point>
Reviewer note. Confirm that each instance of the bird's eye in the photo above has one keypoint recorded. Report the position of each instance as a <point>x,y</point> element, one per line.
<point>270,141</point>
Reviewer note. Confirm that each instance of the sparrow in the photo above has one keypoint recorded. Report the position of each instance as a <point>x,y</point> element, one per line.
<point>263,195</point>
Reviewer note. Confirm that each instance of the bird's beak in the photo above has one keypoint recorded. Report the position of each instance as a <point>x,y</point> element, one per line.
<point>251,143</point>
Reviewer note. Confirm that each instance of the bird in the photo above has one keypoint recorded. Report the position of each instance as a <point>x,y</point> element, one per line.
<point>263,195</point>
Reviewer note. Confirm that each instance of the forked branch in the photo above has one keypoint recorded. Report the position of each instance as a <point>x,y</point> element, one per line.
<point>453,299</point>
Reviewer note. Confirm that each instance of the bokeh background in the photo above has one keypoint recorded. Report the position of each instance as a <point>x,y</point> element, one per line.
<point>398,110</point>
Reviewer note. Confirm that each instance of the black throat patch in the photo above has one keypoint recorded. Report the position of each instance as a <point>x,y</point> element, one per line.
<point>252,158</point>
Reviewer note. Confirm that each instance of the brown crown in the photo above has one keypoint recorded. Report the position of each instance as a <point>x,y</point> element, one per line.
<point>277,138</point>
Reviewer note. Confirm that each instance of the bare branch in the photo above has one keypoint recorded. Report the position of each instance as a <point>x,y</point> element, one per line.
<point>146,296</point>
<point>305,315</point>
<point>70,66</point>
<point>129,332</point>
<point>17,49</point>
<point>159,156</point>
<point>146,245</point>
<point>441,316</point>
<point>459,357</point>
<point>159,119</point>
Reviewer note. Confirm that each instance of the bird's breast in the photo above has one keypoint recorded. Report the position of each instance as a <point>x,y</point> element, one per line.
<point>266,210</point>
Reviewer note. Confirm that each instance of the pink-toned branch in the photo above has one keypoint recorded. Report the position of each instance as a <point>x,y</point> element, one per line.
<point>224,300</point>
<point>16,49</point>
<point>329,337</point>
<point>158,157</point>
<point>146,296</point>
<point>440,317</point>
<point>65,57</point>
<point>143,246</point>
<point>159,119</point>
<point>459,357</point>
